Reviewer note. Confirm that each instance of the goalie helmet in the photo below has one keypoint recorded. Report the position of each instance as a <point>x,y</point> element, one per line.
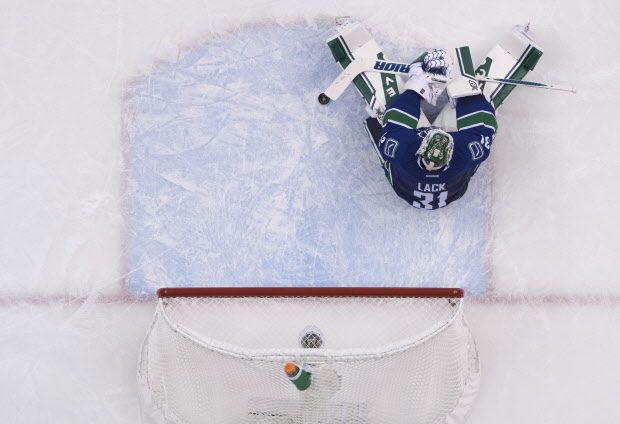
<point>436,149</point>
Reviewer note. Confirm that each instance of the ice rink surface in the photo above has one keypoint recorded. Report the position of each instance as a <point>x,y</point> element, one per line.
<point>226,163</point>
<point>75,288</point>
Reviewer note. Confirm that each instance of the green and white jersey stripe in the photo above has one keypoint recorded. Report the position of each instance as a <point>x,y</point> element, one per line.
<point>399,117</point>
<point>483,117</point>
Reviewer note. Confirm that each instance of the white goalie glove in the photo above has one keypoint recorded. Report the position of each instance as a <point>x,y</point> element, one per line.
<point>437,62</point>
<point>428,77</point>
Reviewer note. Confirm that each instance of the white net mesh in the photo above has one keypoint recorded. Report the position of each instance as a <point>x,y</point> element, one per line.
<point>380,360</point>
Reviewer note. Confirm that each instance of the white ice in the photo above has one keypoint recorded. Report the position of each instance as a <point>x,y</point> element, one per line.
<point>238,176</point>
<point>546,325</point>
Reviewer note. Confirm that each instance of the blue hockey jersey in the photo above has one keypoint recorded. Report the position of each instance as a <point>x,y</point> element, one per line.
<point>400,139</point>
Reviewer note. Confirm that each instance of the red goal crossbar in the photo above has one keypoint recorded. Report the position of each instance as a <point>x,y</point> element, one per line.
<point>309,292</point>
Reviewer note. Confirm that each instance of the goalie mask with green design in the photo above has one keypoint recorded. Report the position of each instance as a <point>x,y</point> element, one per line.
<point>436,149</point>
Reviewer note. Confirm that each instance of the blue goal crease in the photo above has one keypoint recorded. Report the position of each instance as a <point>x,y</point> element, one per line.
<point>238,177</point>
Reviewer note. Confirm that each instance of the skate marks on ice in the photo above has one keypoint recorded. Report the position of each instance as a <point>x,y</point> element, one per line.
<point>237,176</point>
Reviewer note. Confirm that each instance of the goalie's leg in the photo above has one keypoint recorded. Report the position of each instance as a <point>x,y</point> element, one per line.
<point>377,89</point>
<point>513,58</point>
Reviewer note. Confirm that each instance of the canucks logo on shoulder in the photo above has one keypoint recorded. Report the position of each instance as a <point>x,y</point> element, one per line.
<point>389,146</point>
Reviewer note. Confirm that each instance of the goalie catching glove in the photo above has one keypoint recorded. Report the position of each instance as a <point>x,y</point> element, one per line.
<point>429,76</point>
<point>437,62</point>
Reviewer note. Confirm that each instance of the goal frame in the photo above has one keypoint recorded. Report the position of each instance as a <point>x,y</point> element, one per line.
<point>162,377</point>
<point>421,292</point>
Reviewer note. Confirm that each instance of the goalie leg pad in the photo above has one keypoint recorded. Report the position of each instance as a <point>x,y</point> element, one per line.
<point>463,82</point>
<point>513,58</point>
<point>377,89</point>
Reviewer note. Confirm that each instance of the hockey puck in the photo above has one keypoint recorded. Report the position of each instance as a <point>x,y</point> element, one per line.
<point>323,99</point>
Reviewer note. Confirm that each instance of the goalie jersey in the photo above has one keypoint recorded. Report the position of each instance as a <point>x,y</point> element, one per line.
<point>399,140</point>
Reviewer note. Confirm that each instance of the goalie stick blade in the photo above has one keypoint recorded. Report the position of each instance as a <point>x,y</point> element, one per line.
<point>532,84</point>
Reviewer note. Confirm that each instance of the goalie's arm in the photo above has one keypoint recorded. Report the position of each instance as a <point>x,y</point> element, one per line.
<point>476,125</point>
<point>476,114</point>
<point>403,112</point>
<point>399,134</point>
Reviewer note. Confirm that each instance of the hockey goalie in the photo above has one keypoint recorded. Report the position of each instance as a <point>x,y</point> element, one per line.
<point>429,162</point>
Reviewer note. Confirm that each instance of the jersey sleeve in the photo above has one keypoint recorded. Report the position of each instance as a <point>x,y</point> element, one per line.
<point>399,135</point>
<point>476,116</point>
<point>477,125</point>
<point>400,122</point>
<point>403,112</point>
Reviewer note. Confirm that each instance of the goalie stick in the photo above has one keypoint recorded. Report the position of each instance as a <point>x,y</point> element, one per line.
<point>528,84</point>
<point>360,65</point>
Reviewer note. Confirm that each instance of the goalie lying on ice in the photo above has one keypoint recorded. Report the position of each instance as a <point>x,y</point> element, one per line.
<point>427,166</point>
<point>430,162</point>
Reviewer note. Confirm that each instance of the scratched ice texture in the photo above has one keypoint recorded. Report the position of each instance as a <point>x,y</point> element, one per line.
<point>238,176</point>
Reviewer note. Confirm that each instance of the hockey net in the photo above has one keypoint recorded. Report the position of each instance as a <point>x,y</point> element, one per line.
<point>374,355</point>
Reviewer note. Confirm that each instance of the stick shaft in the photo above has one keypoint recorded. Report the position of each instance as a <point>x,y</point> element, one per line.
<point>527,84</point>
<point>361,65</point>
